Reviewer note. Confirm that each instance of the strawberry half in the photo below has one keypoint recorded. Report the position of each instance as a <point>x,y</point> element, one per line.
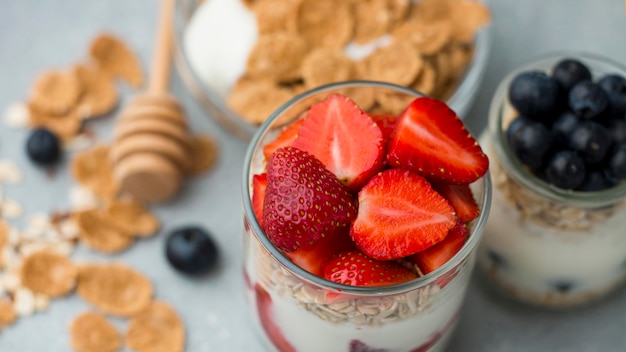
<point>284,139</point>
<point>259,184</point>
<point>437,255</point>
<point>304,202</point>
<point>265,311</point>
<point>344,139</point>
<point>432,141</point>
<point>356,269</point>
<point>313,257</point>
<point>461,199</point>
<point>399,215</point>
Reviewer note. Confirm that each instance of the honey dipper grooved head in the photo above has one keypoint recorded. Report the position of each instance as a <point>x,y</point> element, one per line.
<point>149,177</point>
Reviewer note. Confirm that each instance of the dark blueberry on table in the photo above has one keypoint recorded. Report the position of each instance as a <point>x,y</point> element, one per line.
<point>617,161</point>
<point>565,170</point>
<point>534,94</point>
<point>615,88</point>
<point>591,140</point>
<point>43,147</point>
<point>587,100</point>
<point>617,129</point>
<point>563,127</point>
<point>568,72</point>
<point>191,250</point>
<point>597,180</point>
<point>531,143</point>
<point>563,286</point>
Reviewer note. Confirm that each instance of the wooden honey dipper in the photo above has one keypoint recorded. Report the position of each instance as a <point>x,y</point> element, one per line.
<point>151,148</point>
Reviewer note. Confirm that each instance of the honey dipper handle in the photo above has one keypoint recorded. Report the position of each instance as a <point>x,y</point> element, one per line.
<point>159,76</point>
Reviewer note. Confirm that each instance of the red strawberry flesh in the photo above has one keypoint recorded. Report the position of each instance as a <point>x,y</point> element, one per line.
<point>356,269</point>
<point>344,139</point>
<point>304,202</point>
<point>461,199</point>
<point>432,141</point>
<point>313,257</point>
<point>400,214</point>
<point>439,254</point>
<point>265,311</point>
<point>259,184</point>
<point>284,139</point>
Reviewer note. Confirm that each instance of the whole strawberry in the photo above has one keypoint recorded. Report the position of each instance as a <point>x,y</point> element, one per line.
<point>303,201</point>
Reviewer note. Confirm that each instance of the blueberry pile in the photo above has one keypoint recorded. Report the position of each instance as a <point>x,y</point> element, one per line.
<point>571,130</point>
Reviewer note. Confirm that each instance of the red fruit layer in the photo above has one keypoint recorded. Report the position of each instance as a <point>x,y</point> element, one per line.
<point>304,202</point>
<point>313,257</point>
<point>432,141</point>
<point>432,258</point>
<point>356,269</point>
<point>461,199</point>
<point>259,184</point>
<point>344,139</point>
<point>264,309</point>
<point>284,139</point>
<point>399,215</point>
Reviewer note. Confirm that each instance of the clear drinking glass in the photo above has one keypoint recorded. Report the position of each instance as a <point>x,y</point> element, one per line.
<point>544,245</point>
<point>294,310</point>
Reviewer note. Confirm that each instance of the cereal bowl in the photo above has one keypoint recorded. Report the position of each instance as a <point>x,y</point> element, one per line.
<point>295,310</point>
<point>238,90</point>
<point>546,245</point>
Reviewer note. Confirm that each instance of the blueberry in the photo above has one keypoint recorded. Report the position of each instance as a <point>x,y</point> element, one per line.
<point>563,127</point>
<point>565,170</point>
<point>568,72</point>
<point>617,161</point>
<point>534,94</point>
<point>617,129</point>
<point>515,126</point>
<point>43,147</point>
<point>615,88</point>
<point>597,180</point>
<point>191,250</point>
<point>587,100</point>
<point>591,140</point>
<point>531,143</point>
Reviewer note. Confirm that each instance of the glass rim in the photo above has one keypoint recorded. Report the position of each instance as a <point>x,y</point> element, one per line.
<point>299,272</point>
<point>515,168</point>
<point>210,100</point>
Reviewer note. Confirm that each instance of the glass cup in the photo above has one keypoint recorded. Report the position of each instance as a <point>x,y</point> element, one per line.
<point>544,245</point>
<point>294,310</point>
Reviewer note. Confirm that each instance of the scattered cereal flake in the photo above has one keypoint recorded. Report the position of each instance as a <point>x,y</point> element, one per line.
<point>93,170</point>
<point>459,58</point>
<point>157,328</point>
<point>326,65</point>
<point>425,82</point>
<point>324,22</point>
<point>372,19</point>
<point>10,280</point>
<point>97,232</point>
<point>285,47</point>
<point>4,235</point>
<point>100,96</point>
<point>48,273</point>
<point>42,302</point>
<point>273,15</point>
<point>92,332</point>
<point>428,38</point>
<point>393,102</point>
<point>469,17</point>
<point>117,59</point>
<point>68,229</point>
<point>114,288</point>
<point>65,126</point>
<point>83,198</point>
<point>398,63</point>
<point>16,115</point>
<point>10,258</point>
<point>255,100</point>
<point>56,92</point>
<point>132,217</point>
<point>7,313</point>
<point>10,209</point>
<point>24,302</point>
<point>204,153</point>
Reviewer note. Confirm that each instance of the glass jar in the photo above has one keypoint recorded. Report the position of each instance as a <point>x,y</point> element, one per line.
<point>294,310</point>
<point>544,245</point>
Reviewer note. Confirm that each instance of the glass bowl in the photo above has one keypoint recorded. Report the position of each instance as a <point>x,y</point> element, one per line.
<point>544,245</point>
<point>293,309</point>
<point>460,100</point>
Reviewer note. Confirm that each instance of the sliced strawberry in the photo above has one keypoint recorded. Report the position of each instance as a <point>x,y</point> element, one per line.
<point>259,183</point>
<point>387,124</point>
<point>284,139</point>
<point>313,257</point>
<point>399,215</point>
<point>304,202</point>
<point>359,346</point>
<point>264,308</point>
<point>344,139</point>
<point>356,269</point>
<point>437,255</point>
<point>461,199</point>
<point>432,141</point>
